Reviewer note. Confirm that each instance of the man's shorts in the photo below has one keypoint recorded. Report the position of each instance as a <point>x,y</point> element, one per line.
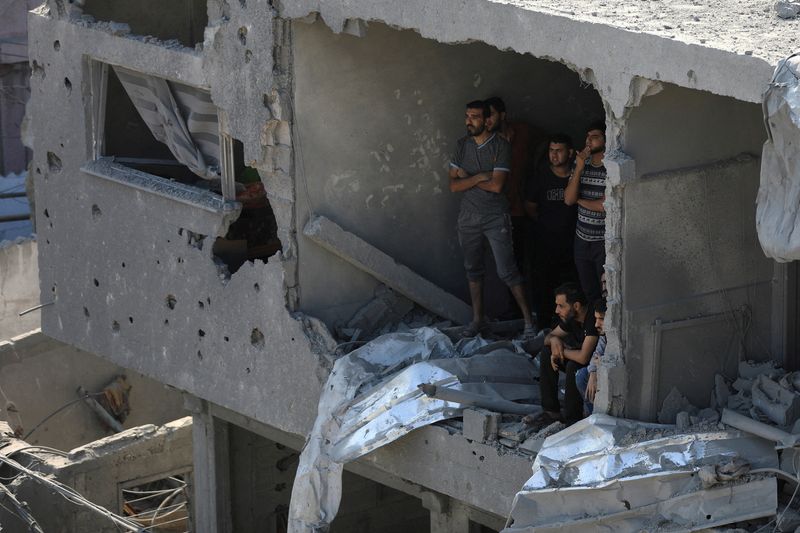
<point>496,229</point>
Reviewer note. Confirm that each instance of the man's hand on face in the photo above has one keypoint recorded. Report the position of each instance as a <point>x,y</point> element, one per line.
<point>584,154</point>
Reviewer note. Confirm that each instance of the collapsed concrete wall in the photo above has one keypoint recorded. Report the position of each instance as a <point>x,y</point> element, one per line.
<point>19,287</point>
<point>98,471</point>
<point>40,375</point>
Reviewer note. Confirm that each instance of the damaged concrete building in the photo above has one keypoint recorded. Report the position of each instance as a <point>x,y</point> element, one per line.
<point>220,186</point>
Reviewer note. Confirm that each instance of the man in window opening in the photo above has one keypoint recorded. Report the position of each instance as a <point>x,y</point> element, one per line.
<point>567,348</point>
<point>554,235</point>
<point>479,170</point>
<point>586,377</point>
<point>587,188</point>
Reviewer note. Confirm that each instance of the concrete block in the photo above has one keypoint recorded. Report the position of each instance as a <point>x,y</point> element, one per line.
<point>752,369</point>
<point>385,269</point>
<point>385,308</point>
<point>674,403</point>
<point>780,405</point>
<point>480,425</point>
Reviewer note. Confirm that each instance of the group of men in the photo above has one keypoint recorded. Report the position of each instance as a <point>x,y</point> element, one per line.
<point>564,196</point>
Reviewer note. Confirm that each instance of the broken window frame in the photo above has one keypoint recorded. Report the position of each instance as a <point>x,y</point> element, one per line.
<point>99,72</point>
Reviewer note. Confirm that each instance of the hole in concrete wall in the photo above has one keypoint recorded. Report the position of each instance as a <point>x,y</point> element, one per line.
<point>123,264</point>
<point>53,288</point>
<point>166,322</point>
<point>243,3</point>
<point>180,20</point>
<point>257,338</point>
<point>248,56</point>
<point>208,300</point>
<point>226,338</point>
<point>115,326</point>
<point>199,355</point>
<point>46,214</point>
<point>96,283</point>
<point>56,45</point>
<point>53,163</point>
<point>242,35</point>
<point>96,212</point>
<point>201,333</point>
<point>68,85</point>
<point>86,312</point>
<point>254,235</point>
<point>201,305</point>
<point>171,301</point>
<point>180,260</point>
<point>130,319</point>
<point>247,370</point>
<point>195,240</point>
<point>257,287</point>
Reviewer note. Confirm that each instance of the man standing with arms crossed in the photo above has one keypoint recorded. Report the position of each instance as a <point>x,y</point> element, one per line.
<point>479,170</point>
<point>587,188</point>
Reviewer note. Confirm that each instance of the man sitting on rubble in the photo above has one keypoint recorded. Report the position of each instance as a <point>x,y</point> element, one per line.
<point>479,170</point>
<point>586,377</point>
<point>567,348</point>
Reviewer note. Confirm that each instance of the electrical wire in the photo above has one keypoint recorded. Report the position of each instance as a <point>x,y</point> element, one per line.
<point>60,409</point>
<point>71,495</point>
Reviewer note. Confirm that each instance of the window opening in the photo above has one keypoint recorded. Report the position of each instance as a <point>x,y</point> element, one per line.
<point>161,505</point>
<point>157,126</point>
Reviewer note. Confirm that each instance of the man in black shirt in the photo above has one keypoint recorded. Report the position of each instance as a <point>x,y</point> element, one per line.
<point>567,348</point>
<point>554,262</point>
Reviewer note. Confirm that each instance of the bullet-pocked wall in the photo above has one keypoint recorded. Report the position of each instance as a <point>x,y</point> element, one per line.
<point>697,287</point>
<point>377,118</point>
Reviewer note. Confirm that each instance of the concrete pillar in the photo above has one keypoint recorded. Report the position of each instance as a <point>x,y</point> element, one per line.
<point>212,494</point>
<point>447,515</point>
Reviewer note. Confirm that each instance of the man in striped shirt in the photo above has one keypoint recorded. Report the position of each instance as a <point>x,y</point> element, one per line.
<point>587,188</point>
<point>479,170</point>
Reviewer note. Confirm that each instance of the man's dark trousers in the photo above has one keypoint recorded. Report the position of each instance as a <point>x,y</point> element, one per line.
<point>548,383</point>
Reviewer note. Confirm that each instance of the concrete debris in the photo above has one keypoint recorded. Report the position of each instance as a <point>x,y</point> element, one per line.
<point>791,381</point>
<point>777,215</point>
<point>752,369</point>
<point>594,475</point>
<point>743,385</point>
<point>682,421</point>
<point>787,9</point>
<point>721,392</point>
<point>780,405</point>
<point>788,519</point>
<point>481,425</point>
<point>674,403</point>
<point>765,431</point>
<point>535,443</point>
<point>386,308</point>
<point>385,269</point>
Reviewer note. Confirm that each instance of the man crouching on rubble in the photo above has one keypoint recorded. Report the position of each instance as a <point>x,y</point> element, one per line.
<point>567,348</point>
<point>479,170</point>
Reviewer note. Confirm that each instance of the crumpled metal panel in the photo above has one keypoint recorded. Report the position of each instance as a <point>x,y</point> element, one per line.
<point>778,203</point>
<point>621,465</point>
<point>386,373</point>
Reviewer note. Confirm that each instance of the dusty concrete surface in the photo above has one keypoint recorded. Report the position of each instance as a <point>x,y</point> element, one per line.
<point>19,287</point>
<point>39,375</point>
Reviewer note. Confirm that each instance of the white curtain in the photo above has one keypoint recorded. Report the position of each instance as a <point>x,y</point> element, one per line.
<point>182,117</point>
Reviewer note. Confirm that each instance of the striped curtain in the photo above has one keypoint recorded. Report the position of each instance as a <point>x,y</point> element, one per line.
<point>182,117</point>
